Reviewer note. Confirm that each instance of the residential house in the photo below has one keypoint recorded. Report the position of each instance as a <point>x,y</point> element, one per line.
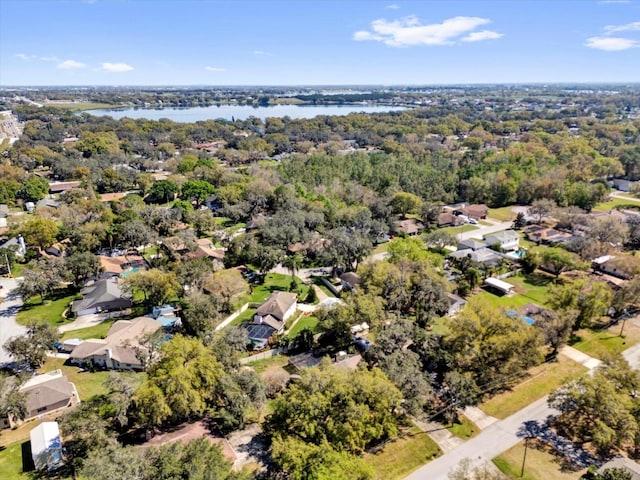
<point>409,226</point>
<point>506,241</point>
<point>349,280</point>
<point>271,316</point>
<point>121,349</point>
<point>471,244</point>
<point>46,446</point>
<point>112,197</point>
<point>456,304</point>
<point>60,187</point>
<point>45,393</point>
<point>17,245</point>
<point>484,256</point>
<point>448,219</point>
<point>621,266</point>
<point>546,236</point>
<point>477,212</point>
<point>101,296</point>
<point>623,463</point>
<point>205,249</point>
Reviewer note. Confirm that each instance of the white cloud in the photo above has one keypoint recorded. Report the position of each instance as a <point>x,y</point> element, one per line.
<point>629,27</point>
<point>482,35</point>
<point>49,59</point>
<point>408,31</point>
<point>614,1</point>
<point>116,67</point>
<point>23,56</point>
<point>214,69</point>
<point>261,52</point>
<point>611,44</point>
<point>393,6</point>
<point>70,65</point>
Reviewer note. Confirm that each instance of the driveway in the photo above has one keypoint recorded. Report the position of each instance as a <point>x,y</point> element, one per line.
<point>8,308</point>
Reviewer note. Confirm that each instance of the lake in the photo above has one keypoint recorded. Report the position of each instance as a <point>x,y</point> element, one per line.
<point>239,112</point>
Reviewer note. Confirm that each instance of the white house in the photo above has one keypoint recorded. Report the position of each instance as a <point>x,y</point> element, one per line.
<point>507,240</point>
<point>46,447</point>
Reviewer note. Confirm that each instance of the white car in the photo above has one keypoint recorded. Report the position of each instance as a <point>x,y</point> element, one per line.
<point>473,221</point>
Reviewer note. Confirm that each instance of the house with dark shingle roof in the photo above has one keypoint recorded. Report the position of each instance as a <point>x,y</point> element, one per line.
<point>102,296</point>
<point>271,316</point>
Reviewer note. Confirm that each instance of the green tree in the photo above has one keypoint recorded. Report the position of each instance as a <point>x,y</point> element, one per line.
<point>404,203</point>
<point>496,348</point>
<point>196,190</point>
<point>299,460</point>
<point>39,232</point>
<point>33,189</point>
<point>13,402</point>
<point>98,143</point>
<point>180,385</point>
<point>81,266</point>
<point>228,285</point>
<point>162,191</point>
<point>157,286</point>
<point>541,208</point>
<point>307,409</point>
<point>557,261</point>
<point>32,347</point>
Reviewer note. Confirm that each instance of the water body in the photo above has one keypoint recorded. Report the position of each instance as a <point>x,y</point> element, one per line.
<point>239,112</point>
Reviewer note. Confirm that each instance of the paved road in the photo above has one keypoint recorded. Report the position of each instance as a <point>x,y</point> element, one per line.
<point>501,435</point>
<point>624,197</point>
<point>8,309</point>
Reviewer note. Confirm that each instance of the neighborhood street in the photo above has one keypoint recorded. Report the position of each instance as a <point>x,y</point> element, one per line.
<point>501,435</point>
<point>10,305</point>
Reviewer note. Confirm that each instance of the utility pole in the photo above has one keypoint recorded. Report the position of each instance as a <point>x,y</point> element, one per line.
<point>524,459</point>
<point>8,264</point>
<point>625,314</point>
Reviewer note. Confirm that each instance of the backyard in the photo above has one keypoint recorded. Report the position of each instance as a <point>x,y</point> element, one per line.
<point>605,342</point>
<point>88,384</point>
<point>533,288</point>
<point>302,323</point>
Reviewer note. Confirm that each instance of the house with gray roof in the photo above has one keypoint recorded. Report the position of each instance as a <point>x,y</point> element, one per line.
<point>101,296</point>
<point>507,240</point>
<point>270,317</point>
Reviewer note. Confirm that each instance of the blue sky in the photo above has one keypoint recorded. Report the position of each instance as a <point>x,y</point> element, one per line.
<point>308,42</point>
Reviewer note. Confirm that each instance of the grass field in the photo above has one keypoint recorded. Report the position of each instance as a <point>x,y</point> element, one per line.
<point>11,463</point>
<point>617,202</point>
<point>304,322</point>
<point>50,311</point>
<point>80,106</point>
<point>602,343</point>
<point>97,331</point>
<point>261,366</point>
<point>402,456</point>
<point>463,428</point>
<point>244,316</point>
<point>503,214</point>
<point>540,381</point>
<point>528,289</point>
<point>461,229</point>
<point>540,464</point>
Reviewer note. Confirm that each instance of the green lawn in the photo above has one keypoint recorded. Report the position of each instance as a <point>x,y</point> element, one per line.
<point>87,383</point>
<point>540,464</point>
<point>532,288</point>
<point>11,463</point>
<point>274,282</point>
<point>263,365</point>
<point>97,331</point>
<point>603,343</point>
<point>541,380</point>
<point>503,214</point>
<point>461,229</point>
<point>80,106</point>
<point>50,311</point>
<point>617,202</point>
<point>304,322</point>
<point>464,428</point>
<point>402,456</point>
<point>244,316</point>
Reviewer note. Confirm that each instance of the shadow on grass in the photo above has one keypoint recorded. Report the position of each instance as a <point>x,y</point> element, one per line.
<point>538,279</point>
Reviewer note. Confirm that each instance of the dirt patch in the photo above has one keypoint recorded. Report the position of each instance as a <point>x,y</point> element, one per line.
<point>250,446</point>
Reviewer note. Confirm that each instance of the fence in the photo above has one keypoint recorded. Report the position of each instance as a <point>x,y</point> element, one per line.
<point>233,316</point>
<point>261,356</point>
